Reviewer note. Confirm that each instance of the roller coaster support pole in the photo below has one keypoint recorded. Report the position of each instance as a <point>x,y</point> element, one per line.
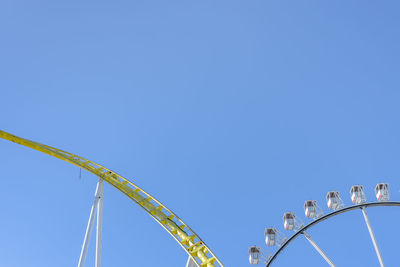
<point>98,195</point>
<point>191,263</point>
<point>371,233</point>
<point>327,259</point>
<point>99,223</point>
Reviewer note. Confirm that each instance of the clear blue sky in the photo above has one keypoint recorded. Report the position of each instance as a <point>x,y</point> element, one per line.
<point>229,112</point>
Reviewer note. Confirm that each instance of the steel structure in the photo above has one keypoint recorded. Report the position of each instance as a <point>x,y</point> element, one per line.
<point>311,209</point>
<point>199,253</point>
<point>97,209</point>
<point>302,230</point>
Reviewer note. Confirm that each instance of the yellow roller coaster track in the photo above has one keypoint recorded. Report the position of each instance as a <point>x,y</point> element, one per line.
<point>182,233</point>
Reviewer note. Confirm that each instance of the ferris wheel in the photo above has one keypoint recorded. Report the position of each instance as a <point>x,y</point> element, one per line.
<point>199,254</point>
<point>292,222</point>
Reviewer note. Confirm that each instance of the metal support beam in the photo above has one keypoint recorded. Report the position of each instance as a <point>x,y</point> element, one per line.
<point>191,263</point>
<point>371,233</point>
<point>99,223</point>
<point>326,258</point>
<point>97,196</point>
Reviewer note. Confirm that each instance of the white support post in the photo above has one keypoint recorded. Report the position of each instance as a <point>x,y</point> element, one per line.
<point>326,258</point>
<point>371,233</point>
<point>89,227</point>
<point>191,263</point>
<point>99,223</point>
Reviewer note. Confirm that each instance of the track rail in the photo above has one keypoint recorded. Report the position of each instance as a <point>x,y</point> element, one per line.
<point>180,231</point>
<point>327,216</point>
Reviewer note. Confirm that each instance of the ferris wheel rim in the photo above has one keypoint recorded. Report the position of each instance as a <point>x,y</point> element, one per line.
<point>326,217</point>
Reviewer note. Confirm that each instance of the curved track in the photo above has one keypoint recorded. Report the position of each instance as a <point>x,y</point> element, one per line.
<point>327,216</point>
<point>182,233</point>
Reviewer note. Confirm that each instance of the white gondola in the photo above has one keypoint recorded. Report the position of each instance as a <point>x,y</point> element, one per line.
<point>254,255</point>
<point>334,201</point>
<point>289,221</point>
<point>312,210</point>
<point>270,236</point>
<point>357,194</point>
<point>382,192</point>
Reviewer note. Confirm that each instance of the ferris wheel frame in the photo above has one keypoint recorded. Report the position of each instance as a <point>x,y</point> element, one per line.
<point>325,217</point>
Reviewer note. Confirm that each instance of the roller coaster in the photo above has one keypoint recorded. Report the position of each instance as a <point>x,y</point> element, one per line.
<point>199,253</point>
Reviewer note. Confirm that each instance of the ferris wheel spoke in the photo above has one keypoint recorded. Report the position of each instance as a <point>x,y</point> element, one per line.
<point>372,235</point>
<point>317,248</point>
